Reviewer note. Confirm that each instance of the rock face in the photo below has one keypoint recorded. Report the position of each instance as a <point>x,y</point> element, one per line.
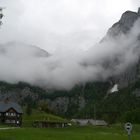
<point>124,24</point>
<point>136,92</point>
<point>22,93</point>
<point>61,105</point>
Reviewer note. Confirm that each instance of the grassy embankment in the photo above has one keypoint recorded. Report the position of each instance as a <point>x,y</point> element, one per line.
<point>70,133</point>
<point>38,115</point>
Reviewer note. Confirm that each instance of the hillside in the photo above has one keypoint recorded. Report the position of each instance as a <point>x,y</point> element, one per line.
<point>81,101</point>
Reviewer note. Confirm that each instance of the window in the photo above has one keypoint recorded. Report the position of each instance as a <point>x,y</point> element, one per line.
<point>13,114</point>
<point>10,114</point>
<point>7,113</point>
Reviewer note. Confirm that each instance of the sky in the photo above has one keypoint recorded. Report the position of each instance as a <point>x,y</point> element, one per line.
<point>70,31</point>
<point>61,24</point>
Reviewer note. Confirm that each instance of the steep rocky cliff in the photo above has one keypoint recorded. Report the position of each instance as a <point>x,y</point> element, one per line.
<point>125,23</point>
<point>123,27</point>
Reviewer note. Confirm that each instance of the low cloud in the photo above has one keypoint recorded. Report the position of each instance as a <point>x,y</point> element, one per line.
<point>68,67</point>
<point>68,30</point>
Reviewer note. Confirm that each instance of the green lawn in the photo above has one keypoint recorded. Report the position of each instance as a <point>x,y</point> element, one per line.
<point>70,133</point>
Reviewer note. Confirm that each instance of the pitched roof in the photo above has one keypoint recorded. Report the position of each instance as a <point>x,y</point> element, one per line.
<point>4,106</point>
<point>89,121</point>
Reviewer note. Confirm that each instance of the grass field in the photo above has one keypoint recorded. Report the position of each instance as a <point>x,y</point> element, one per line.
<point>71,133</point>
<point>27,132</point>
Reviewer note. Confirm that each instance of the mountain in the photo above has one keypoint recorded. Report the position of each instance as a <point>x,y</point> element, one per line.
<point>23,50</point>
<point>125,24</point>
<point>93,98</point>
<point>121,28</point>
<point>21,62</point>
<point>81,101</point>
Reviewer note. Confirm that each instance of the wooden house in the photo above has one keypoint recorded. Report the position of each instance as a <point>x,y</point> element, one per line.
<point>10,113</point>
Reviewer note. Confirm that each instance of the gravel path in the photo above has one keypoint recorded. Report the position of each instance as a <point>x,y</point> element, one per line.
<point>6,128</point>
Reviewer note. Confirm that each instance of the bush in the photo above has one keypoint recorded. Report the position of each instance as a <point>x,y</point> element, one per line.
<point>132,116</point>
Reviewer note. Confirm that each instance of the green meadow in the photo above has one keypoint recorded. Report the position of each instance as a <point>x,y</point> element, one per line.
<point>74,132</point>
<point>115,132</point>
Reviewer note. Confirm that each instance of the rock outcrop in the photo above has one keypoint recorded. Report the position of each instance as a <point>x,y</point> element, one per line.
<point>124,24</point>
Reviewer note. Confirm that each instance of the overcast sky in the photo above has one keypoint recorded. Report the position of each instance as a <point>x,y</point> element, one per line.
<point>61,24</point>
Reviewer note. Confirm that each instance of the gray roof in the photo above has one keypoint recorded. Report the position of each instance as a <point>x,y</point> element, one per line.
<point>89,121</point>
<point>4,106</point>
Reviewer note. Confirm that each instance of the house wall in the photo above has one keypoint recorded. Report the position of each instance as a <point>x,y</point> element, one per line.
<point>11,117</point>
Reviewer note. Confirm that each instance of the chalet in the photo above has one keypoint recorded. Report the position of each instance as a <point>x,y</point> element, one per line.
<point>10,113</point>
